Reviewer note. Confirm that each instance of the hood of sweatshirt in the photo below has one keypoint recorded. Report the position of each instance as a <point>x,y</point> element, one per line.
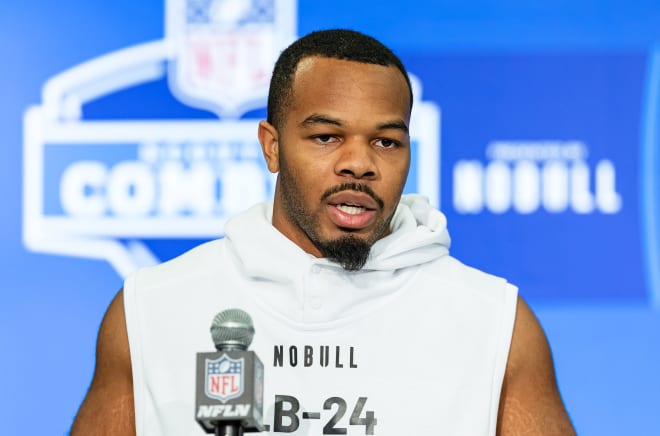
<point>418,235</point>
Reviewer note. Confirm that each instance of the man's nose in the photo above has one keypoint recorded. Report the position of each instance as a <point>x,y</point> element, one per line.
<point>357,160</point>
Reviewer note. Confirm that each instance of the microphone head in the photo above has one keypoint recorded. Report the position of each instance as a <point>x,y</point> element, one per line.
<point>232,329</point>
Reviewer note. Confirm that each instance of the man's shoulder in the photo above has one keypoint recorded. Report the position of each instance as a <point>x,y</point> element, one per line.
<point>199,260</point>
<point>451,272</point>
<point>451,265</point>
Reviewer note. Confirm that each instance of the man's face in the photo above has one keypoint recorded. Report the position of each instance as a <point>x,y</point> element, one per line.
<point>342,152</point>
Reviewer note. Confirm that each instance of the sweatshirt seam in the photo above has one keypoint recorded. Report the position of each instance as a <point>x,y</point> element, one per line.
<point>503,345</point>
<point>131,314</point>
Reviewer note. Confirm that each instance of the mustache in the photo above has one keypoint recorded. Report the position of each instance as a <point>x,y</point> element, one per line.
<point>354,187</point>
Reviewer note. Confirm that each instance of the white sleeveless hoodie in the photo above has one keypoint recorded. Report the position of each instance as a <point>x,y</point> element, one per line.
<point>415,343</point>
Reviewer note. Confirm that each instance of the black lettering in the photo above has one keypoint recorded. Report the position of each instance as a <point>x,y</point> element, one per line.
<point>278,355</point>
<point>325,355</point>
<point>308,358</point>
<point>330,428</point>
<point>369,421</point>
<point>353,365</point>
<point>293,355</point>
<point>309,355</point>
<point>290,412</point>
<point>337,364</point>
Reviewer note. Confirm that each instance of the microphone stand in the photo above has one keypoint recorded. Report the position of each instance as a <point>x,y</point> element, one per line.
<point>226,428</point>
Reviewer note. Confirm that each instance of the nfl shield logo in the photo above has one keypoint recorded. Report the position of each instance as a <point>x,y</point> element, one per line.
<point>224,378</point>
<point>224,51</point>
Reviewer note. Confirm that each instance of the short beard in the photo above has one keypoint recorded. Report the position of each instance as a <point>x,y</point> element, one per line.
<point>348,251</point>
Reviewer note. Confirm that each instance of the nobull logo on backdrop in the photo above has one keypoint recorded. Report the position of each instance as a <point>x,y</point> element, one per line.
<point>530,176</point>
<point>107,189</point>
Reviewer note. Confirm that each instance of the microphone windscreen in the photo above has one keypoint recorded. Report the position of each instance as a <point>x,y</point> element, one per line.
<point>232,329</point>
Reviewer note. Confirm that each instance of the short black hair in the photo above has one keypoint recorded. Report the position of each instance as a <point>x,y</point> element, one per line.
<point>335,43</point>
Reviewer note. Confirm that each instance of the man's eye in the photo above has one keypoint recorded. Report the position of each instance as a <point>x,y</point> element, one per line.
<point>324,139</point>
<point>386,143</point>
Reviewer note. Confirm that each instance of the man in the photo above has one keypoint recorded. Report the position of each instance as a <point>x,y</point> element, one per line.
<point>340,261</point>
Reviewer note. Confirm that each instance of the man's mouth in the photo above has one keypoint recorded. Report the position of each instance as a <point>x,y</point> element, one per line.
<point>358,195</point>
<point>352,206</point>
<point>351,209</point>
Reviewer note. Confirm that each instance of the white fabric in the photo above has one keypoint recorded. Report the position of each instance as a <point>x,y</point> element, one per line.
<point>429,335</point>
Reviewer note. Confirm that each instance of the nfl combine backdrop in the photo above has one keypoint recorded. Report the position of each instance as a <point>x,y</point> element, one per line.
<point>129,137</point>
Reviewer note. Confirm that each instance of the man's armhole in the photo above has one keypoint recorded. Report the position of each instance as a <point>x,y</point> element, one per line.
<point>507,322</point>
<point>131,314</point>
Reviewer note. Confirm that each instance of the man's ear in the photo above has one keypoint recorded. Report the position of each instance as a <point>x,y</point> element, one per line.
<point>270,146</point>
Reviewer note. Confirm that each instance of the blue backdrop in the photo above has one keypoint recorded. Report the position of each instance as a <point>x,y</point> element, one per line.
<point>538,120</point>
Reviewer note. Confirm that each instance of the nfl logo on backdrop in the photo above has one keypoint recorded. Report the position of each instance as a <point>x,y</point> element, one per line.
<point>224,378</point>
<point>225,51</point>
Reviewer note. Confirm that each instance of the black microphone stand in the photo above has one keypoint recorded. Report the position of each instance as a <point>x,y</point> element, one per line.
<point>228,428</point>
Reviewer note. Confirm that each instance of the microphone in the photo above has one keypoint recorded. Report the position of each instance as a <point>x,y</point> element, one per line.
<point>230,381</point>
